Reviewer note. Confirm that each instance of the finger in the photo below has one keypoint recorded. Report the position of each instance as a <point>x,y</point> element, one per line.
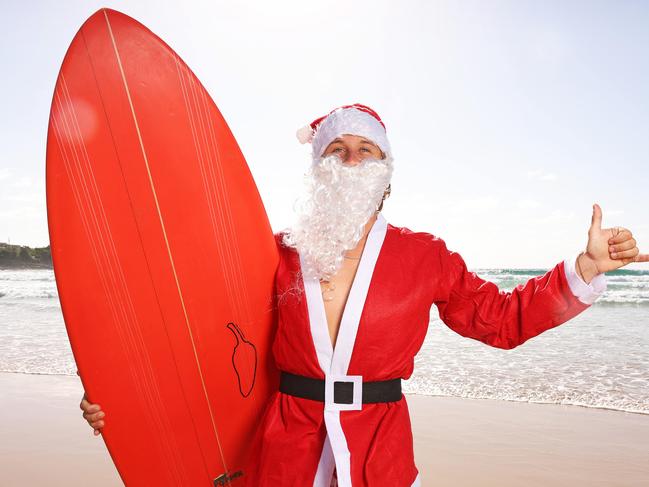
<point>642,258</point>
<point>618,236</point>
<point>90,408</point>
<point>97,424</point>
<point>596,220</point>
<point>91,412</point>
<point>96,432</point>
<point>627,254</point>
<point>626,245</point>
<point>94,417</point>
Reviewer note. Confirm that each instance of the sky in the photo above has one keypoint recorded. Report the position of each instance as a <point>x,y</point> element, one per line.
<point>507,119</point>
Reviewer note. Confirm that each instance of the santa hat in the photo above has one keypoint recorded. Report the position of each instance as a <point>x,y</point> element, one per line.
<point>353,119</point>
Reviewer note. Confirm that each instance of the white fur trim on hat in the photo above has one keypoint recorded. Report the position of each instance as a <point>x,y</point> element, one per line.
<point>350,121</point>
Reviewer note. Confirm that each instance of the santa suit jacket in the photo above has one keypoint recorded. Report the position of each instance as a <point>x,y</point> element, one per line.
<point>401,274</point>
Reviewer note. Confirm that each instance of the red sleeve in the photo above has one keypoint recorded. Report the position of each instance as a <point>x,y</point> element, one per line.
<point>477,309</point>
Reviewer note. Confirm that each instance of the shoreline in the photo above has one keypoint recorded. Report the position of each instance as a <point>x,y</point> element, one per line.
<point>458,441</point>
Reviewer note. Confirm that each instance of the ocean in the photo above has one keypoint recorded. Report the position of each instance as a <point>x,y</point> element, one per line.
<point>599,359</point>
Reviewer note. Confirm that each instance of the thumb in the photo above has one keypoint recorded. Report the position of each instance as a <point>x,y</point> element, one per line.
<point>596,221</point>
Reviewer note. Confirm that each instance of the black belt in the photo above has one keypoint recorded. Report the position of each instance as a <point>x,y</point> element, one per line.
<point>309,388</point>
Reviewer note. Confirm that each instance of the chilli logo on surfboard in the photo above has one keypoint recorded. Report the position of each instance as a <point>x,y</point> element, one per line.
<point>244,360</point>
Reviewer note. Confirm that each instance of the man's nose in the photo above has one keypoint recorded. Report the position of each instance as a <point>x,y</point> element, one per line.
<point>352,158</point>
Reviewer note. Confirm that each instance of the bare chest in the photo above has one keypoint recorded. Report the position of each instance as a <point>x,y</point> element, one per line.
<point>334,295</point>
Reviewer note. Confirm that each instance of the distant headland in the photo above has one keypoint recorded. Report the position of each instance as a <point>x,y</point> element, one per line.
<point>23,257</point>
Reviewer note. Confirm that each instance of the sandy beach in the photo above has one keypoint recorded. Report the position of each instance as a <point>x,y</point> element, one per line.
<point>458,442</point>
<point>489,443</point>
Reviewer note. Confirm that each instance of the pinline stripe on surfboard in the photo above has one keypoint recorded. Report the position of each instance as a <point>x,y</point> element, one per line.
<point>239,274</point>
<point>137,346</point>
<point>64,92</point>
<point>224,239</point>
<point>199,154</point>
<point>226,229</point>
<point>166,241</point>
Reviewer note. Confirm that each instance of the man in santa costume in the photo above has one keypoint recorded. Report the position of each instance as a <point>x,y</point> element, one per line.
<point>354,295</point>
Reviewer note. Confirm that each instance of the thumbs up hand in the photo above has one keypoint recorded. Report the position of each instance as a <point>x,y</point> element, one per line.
<point>608,248</point>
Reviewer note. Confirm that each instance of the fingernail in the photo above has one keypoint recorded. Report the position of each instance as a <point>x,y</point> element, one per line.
<point>614,255</point>
<point>102,414</point>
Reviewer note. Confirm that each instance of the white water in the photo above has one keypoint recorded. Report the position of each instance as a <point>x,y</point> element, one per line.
<point>598,359</point>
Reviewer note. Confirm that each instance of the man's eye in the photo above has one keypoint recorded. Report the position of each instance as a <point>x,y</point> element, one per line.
<point>338,148</point>
<point>365,149</point>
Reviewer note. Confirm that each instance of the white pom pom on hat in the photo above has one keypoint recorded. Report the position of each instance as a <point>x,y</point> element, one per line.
<point>353,119</point>
<point>305,134</point>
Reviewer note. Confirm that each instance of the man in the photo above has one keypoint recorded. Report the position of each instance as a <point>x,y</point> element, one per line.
<point>354,295</point>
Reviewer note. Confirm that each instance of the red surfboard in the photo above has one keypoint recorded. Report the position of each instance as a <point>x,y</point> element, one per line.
<point>163,255</point>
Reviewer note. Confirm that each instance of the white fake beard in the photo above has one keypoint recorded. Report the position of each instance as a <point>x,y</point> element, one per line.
<point>332,213</point>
